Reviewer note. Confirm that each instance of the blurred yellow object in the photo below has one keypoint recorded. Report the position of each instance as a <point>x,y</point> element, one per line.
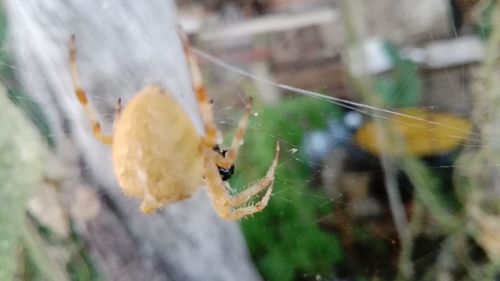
<point>419,132</point>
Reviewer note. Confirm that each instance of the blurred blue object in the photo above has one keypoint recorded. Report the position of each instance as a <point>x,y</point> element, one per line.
<point>318,144</point>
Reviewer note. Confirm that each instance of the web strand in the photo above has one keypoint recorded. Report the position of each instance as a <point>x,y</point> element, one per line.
<point>338,101</point>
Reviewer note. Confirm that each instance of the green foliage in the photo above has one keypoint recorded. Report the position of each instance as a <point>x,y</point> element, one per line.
<point>484,25</point>
<point>26,103</point>
<point>22,158</point>
<point>81,267</point>
<point>35,114</point>
<point>401,87</point>
<point>29,268</point>
<point>285,239</point>
<point>4,67</point>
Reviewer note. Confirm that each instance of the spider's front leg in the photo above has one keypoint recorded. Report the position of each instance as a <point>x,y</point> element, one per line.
<point>227,205</point>
<point>267,181</point>
<point>228,160</point>
<point>212,133</point>
<point>224,203</point>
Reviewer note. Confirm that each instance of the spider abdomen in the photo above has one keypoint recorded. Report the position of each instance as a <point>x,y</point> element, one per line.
<point>156,150</point>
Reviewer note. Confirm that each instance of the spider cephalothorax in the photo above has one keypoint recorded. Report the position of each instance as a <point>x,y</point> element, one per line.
<point>162,166</point>
<point>225,173</point>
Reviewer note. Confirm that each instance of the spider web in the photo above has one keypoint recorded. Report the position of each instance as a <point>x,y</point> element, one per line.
<point>327,205</point>
<point>297,150</point>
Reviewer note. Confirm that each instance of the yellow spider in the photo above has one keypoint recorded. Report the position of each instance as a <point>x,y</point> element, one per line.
<point>160,158</point>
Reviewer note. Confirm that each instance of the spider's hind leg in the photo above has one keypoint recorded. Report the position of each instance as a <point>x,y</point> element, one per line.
<point>82,96</point>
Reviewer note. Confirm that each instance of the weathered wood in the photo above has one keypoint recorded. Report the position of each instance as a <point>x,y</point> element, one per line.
<point>110,245</point>
<point>271,23</point>
<point>123,46</point>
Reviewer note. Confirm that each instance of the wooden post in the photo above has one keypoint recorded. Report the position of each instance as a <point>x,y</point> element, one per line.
<point>122,47</point>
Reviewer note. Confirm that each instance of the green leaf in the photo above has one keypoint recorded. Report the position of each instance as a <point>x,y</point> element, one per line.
<point>402,86</point>
<point>22,159</point>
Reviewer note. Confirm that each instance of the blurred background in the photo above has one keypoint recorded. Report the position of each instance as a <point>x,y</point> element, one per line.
<point>386,112</point>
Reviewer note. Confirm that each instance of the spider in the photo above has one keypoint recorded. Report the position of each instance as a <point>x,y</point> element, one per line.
<point>160,158</point>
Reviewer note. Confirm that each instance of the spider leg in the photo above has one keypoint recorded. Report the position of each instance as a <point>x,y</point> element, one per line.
<point>216,188</point>
<point>206,110</point>
<point>212,132</point>
<point>118,108</point>
<point>249,210</point>
<point>245,195</point>
<point>82,96</point>
<point>224,203</point>
<point>231,156</point>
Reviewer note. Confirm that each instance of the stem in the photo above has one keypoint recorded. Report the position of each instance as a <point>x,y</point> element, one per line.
<point>354,26</point>
<point>49,268</point>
